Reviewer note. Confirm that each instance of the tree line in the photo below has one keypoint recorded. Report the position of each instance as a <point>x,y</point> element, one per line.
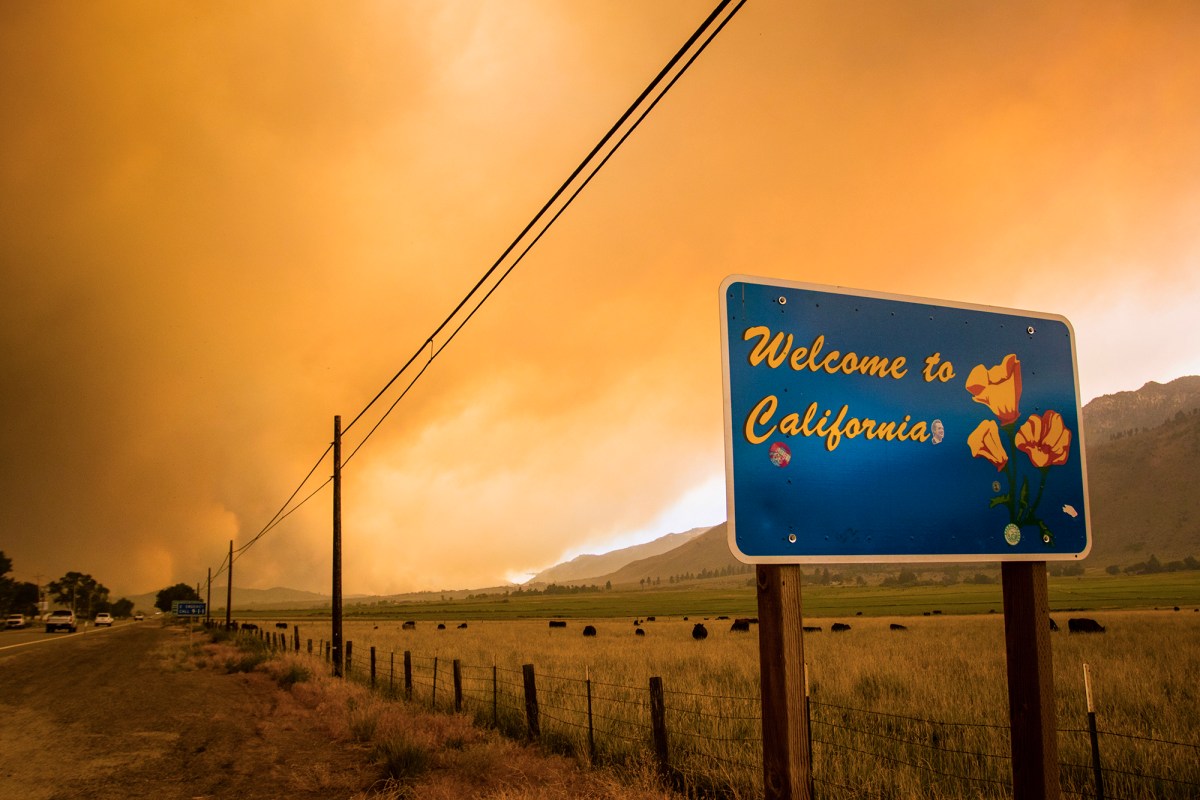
<point>77,591</point>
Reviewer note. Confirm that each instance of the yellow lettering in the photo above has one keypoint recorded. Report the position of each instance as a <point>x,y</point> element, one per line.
<point>776,349</point>
<point>761,414</point>
<point>762,350</point>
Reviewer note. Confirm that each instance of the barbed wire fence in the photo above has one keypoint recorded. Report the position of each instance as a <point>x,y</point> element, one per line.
<point>709,745</point>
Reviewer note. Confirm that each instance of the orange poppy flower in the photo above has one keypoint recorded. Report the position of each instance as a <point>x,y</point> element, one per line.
<point>998,388</point>
<point>1045,439</point>
<point>985,442</point>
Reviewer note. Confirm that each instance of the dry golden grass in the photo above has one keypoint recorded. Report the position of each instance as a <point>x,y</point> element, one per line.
<point>431,755</point>
<point>891,709</point>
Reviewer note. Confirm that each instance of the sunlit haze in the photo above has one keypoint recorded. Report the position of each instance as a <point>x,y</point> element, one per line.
<point>226,223</point>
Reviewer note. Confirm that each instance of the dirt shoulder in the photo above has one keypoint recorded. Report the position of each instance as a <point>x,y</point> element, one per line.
<point>129,713</point>
<point>141,711</point>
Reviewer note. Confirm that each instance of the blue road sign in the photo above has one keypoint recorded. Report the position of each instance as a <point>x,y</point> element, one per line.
<point>862,426</point>
<point>188,608</point>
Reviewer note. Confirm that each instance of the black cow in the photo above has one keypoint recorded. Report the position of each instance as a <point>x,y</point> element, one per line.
<point>812,628</point>
<point>838,627</point>
<point>589,630</point>
<point>639,632</point>
<point>699,632</point>
<point>409,626</point>
<point>441,626</point>
<point>1084,625</point>
<point>897,627</point>
<point>1053,624</point>
<point>742,625</point>
<point>558,623</point>
<point>282,625</point>
<point>462,625</point>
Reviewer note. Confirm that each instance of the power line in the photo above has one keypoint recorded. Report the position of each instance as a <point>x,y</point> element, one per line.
<point>434,353</point>
<point>702,31</point>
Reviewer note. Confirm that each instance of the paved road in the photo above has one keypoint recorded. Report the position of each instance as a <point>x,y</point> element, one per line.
<point>126,713</point>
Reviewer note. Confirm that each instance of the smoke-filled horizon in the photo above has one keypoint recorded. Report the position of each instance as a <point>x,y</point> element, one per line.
<point>226,224</point>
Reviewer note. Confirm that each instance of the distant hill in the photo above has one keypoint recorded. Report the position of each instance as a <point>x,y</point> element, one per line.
<point>1113,416</point>
<point>589,568</point>
<point>1143,492</point>
<point>707,553</point>
<point>278,597</point>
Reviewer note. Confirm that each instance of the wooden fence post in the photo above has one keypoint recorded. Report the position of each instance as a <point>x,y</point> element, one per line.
<point>310,647</point>
<point>433,694</point>
<point>392,671</point>
<point>349,649</point>
<point>1031,712</point>
<point>531,704</point>
<point>296,631</point>
<point>408,675</point>
<point>457,686</point>
<point>658,726</point>
<point>1097,772</point>
<point>372,666</point>
<point>495,696</point>
<point>591,730</point>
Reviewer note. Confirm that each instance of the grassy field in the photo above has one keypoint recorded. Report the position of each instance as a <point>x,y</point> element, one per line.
<point>737,598</point>
<point>914,713</point>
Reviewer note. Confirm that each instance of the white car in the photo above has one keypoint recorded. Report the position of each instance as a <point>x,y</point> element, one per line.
<point>104,618</point>
<point>15,621</point>
<point>61,619</point>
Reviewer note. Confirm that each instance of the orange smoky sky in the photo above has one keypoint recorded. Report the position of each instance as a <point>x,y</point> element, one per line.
<point>225,223</point>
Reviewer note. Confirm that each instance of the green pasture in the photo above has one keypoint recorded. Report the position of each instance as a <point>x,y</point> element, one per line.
<point>737,598</point>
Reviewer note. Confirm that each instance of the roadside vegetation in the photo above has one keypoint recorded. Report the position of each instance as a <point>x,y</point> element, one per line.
<point>422,754</point>
<point>939,683</point>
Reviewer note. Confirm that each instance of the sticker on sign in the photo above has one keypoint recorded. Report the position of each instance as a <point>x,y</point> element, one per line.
<point>862,426</point>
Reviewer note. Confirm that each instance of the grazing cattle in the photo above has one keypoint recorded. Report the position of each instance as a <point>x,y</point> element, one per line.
<point>1084,625</point>
<point>1053,624</point>
<point>858,613</point>
<point>651,619</point>
<point>249,626</point>
<point>409,626</point>
<point>699,632</point>
<point>896,626</point>
<point>812,628</point>
<point>558,623</point>
<point>637,622</point>
<point>441,626</point>
<point>721,618</point>
<point>742,625</point>
<point>462,625</point>
<point>281,625</point>
<point>589,630</point>
<point>639,632</point>
<point>838,627</point>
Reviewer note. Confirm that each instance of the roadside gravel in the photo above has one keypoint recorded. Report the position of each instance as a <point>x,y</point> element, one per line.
<point>127,713</point>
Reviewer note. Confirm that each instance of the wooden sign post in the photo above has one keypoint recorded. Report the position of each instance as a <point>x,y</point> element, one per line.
<point>787,767</point>
<point>1031,708</point>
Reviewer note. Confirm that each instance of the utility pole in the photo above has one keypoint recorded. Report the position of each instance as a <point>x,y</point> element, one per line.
<point>229,590</point>
<point>336,643</point>
<point>208,600</point>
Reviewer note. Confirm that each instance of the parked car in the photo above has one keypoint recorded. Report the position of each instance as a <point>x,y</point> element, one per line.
<point>61,619</point>
<point>104,618</point>
<point>15,621</point>
<point>138,617</point>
